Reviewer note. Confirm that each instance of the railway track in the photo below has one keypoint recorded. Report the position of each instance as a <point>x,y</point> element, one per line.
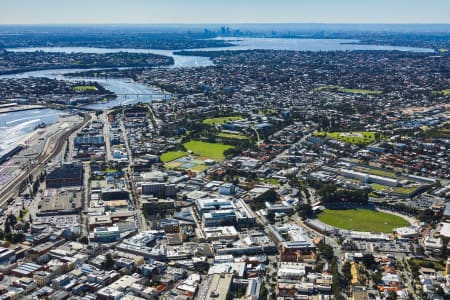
<point>47,154</point>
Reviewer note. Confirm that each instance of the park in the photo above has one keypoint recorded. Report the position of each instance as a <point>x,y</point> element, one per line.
<point>357,137</point>
<point>366,220</point>
<point>196,156</point>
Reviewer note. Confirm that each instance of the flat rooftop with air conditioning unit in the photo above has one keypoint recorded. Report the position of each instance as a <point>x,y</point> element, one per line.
<point>218,286</point>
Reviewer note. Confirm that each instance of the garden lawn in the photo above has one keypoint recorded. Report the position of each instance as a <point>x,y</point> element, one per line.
<point>84,88</point>
<point>379,187</point>
<point>272,181</point>
<point>362,220</point>
<point>378,172</point>
<point>405,190</point>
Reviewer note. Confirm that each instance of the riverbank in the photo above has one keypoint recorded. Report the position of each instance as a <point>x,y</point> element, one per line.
<point>127,92</point>
<point>14,108</point>
<point>14,61</point>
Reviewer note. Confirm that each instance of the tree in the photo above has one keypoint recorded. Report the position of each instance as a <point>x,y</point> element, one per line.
<point>11,219</point>
<point>17,238</point>
<point>108,263</point>
<point>346,272</point>
<point>369,261</point>
<point>392,295</point>
<point>304,211</point>
<point>426,215</point>
<point>7,228</point>
<point>269,196</point>
<point>336,287</point>
<point>271,217</point>
<point>326,251</point>
<point>202,267</point>
<point>376,277</point>
<point>240,292</point>
<point>263,293</point>
<point>26,226</point>
<point>440,291</point>
<point>83,240</point>
<point>42,177</point>
<point>445,241</point>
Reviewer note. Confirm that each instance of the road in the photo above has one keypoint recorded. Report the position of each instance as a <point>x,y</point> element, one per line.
<point>141,221</point>
<point>259,141</point>
<point>154,120</point>
<point>107,134</point>
<point>86,198</point>
<point>125,138</point>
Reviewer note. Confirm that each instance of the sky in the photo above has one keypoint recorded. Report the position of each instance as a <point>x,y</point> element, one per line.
<point>222,11</point>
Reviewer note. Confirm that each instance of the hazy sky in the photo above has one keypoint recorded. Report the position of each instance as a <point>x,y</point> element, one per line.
<point>223,11</point>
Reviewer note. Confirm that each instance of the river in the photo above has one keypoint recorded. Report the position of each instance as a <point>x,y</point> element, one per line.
<point>127,91</point>
<point>293,44</point>
<point>15,126</point>
<point>130,92</point>
<point>180,61</point>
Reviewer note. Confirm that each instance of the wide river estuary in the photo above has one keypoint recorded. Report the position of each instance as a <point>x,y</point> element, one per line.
<point>15,126</point>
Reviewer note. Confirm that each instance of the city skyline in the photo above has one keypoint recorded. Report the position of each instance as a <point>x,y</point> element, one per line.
<point>230,12</point>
